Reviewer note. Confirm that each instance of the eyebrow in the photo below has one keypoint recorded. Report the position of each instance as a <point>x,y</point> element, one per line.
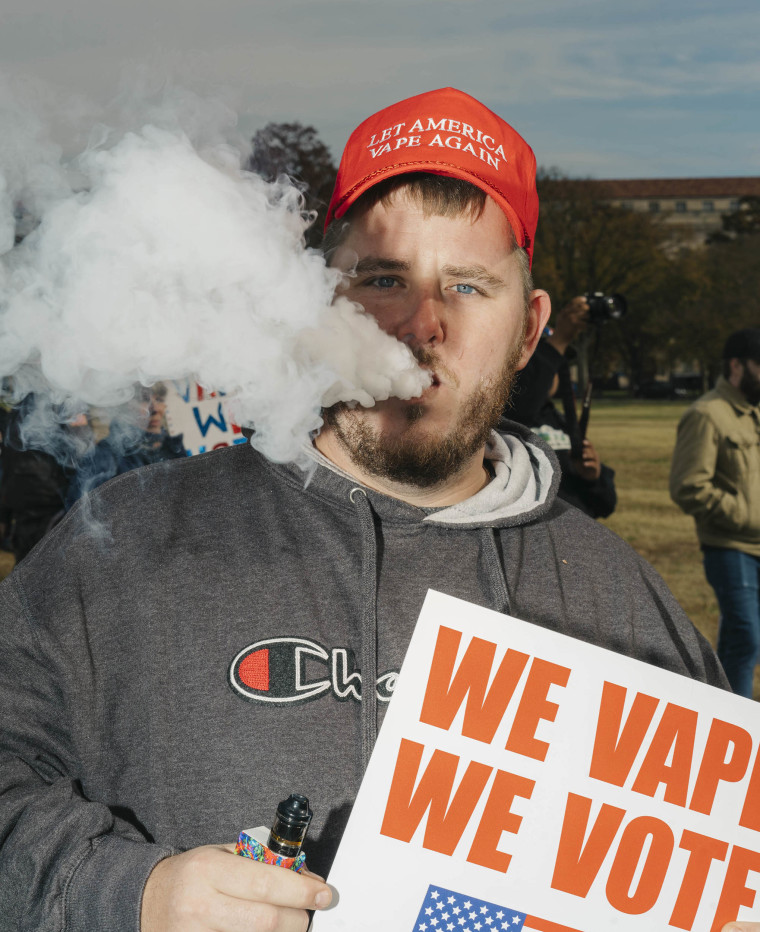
<point>371,264</point>
<point>478,273</point>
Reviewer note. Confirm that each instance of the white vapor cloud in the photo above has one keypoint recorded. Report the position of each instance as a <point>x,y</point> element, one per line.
<point>158,258</point>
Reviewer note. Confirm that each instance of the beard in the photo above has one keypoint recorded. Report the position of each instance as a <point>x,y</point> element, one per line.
<point>749,386</point>
<point>418,457</point>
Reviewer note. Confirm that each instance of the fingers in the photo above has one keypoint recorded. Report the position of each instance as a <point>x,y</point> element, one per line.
<point>232,915</point>
<point>576,310</point>
<point>245,879</point>
<point>212,888</point>
<point>741,927</point>
<point>589,451</point>
<point>588,466</point>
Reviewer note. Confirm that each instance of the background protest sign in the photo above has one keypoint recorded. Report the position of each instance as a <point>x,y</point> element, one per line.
<point>200,417</point>
<point>523,779</point>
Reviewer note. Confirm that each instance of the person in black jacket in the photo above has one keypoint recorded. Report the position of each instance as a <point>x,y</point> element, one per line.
<point>35,482</point>
<point>586,482</point>
<point>129,446</point>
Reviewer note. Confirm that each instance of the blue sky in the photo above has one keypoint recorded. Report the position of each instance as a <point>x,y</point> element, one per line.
<point>600,88</point>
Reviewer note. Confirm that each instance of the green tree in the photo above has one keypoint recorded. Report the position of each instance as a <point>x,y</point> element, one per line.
<point>297,151</point>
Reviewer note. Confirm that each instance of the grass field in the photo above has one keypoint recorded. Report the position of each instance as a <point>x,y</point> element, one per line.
<point>636,438</point>
<point>6,563</point>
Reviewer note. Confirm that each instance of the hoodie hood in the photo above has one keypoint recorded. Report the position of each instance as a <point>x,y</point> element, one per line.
<point>525,478</point>
<point>524,484</point>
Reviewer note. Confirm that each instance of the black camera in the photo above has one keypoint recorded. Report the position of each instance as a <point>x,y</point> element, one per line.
<point>604,307</point>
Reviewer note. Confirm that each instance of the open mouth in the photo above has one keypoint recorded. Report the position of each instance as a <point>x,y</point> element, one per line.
<point>435,382</point>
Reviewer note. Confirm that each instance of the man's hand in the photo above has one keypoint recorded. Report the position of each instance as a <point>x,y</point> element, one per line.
<point>741,927</point>
<point>571,321</point>
<point>212,888</point>
<point>589,467</point>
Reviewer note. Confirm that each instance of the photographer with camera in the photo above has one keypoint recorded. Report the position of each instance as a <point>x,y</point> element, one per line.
<point>586,482</point>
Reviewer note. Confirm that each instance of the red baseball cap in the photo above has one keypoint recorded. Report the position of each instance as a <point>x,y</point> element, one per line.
<point>444,132</point>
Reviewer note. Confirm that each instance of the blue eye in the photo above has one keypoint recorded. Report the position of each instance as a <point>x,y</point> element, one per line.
<point>383,281</point>
<point>465,289</point>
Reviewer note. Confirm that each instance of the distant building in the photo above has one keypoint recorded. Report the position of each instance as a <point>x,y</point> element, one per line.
<point>692,207</point>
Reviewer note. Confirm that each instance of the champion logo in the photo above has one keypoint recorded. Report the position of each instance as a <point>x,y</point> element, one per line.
<point>285,670</point>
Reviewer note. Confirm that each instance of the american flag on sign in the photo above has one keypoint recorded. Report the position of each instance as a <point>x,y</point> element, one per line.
<point>446,911</point>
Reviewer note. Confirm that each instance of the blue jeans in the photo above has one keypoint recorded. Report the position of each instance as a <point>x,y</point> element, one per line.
<point>735,577</point>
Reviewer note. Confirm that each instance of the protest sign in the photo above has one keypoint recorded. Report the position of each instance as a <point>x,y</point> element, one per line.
<point>526,780</point>
<point>200,417</point>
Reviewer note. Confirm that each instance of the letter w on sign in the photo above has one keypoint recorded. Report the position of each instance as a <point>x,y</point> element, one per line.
<point>448,816</point>
<point>450,685</point>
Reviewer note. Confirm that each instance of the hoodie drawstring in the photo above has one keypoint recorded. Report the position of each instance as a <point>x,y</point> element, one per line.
<point>368,622</point>
<point>497,581</point>
<point>497,585</point>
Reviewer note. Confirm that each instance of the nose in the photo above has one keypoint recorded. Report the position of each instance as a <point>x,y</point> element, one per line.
<point>423,325</point>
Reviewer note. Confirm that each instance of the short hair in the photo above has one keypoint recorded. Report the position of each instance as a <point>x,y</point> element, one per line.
<point>438,195</point>
<point>156,392</point>
<point>159,391</point>
<point>742,345</point>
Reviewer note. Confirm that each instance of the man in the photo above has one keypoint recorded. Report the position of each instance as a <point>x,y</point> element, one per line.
<point>169,687</point>
<point>138,440</point>
<point>34,482</point>
<point>715,476</point>
<point>586,482</point>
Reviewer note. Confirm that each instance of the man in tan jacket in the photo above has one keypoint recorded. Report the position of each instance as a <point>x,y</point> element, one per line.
<point>715,476</point>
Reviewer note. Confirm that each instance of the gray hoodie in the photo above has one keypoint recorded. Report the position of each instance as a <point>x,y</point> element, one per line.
<point>168,677</point>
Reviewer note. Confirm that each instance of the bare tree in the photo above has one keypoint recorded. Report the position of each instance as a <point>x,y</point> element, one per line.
<point>585,244</point>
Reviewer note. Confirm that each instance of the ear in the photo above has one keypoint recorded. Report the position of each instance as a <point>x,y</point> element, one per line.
<point>539,311</point>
